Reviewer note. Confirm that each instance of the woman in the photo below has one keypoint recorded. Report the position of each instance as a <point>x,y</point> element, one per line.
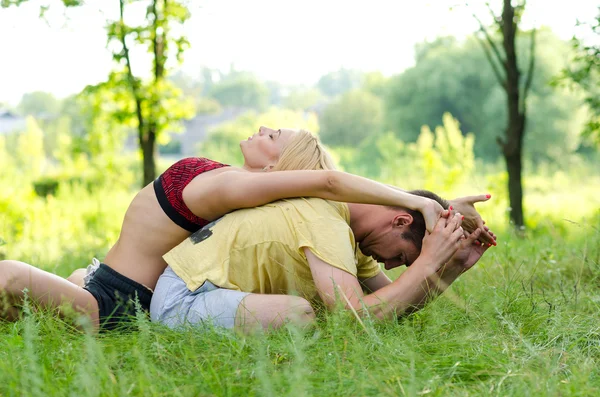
<point>187,196</point>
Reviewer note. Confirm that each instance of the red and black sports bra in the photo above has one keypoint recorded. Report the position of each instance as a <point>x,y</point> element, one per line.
<point>169,190</point>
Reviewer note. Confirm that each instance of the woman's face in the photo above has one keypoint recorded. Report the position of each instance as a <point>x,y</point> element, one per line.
<point>264,148</point>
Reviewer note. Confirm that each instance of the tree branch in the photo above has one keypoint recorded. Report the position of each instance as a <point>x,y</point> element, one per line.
<point>490,58</point>
<point>490,41</point>
<point>496,19</point>
<point>130,76</point>
<point>529,77</point>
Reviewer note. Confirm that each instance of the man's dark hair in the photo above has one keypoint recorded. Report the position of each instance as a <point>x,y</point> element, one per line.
<point>417,227</point>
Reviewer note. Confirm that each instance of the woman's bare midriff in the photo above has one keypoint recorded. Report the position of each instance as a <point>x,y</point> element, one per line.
<point>147,234</point>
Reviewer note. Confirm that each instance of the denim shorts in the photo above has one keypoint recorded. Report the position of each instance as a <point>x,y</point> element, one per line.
<point>174,305</point>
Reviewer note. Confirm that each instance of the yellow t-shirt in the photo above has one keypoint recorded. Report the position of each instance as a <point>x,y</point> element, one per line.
<point>260,250</point>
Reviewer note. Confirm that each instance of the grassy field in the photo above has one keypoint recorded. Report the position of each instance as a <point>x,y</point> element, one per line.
<point>525,321</point>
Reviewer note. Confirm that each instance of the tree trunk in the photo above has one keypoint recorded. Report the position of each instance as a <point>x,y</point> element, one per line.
<point>515,187</point>
<point>512,143</point>
<point>148,145</point>
<point>148,137</point>
<point>513,146</point>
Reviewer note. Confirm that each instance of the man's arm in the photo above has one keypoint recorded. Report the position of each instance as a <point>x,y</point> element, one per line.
<point>464,258</point>
<point>410,290</point>
<point>376,282</point>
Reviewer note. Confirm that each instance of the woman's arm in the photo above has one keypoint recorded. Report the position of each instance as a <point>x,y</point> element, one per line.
<point>234,190</point>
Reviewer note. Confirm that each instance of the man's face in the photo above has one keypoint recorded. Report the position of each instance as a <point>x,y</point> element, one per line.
<point>388,245</point>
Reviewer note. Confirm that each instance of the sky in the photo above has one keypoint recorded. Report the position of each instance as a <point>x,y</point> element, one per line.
<point>293,42</point>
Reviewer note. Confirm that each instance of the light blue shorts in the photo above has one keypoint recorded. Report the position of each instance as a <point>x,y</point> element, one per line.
<point>174,305</point>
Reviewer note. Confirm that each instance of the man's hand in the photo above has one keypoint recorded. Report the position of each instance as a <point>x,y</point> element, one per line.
<point>443,242</point>
<point>468,252</point>
<point>431,211</point>
<point>472,221</point>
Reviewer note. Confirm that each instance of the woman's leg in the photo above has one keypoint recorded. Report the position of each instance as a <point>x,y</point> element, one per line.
<point>77,277</point>
<point>45,290</point>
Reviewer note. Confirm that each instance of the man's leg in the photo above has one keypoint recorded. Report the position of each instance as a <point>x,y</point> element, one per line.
<point>272,311</point>
<point>174,305</point>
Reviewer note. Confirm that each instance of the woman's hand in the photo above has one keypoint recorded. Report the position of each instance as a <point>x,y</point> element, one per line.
<point>431,211</point>
<point>472,220</point>
<point>469,252</point>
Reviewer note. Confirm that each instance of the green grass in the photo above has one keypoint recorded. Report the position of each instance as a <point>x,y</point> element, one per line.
<point>524,322</point>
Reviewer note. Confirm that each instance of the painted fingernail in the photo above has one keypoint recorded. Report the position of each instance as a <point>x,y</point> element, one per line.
<point>463,217</point>
<point>488,195</point>
<point>450,208</point>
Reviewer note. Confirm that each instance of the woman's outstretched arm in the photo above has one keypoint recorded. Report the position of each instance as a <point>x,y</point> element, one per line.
<point>231,190</point>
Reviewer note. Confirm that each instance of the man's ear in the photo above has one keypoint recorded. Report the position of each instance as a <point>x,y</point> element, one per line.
<point>402,219</point>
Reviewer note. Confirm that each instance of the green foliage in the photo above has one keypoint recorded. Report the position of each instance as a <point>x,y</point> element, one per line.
<point>173,147</point>
<point>375,83</point>
<point>436,161</point>
<point>584,72</point>
<point>207,106</point>
<point>29,154</point>
<point>39,103</point>
<point>46,186</point>
<point>338,82</point>
<point>243,90</point>
<point>455,77</point>
<point>223,142</point>
<point>303,99</point>
<point>105,111</point>
<point>66,3</point>
<point>352,117</point>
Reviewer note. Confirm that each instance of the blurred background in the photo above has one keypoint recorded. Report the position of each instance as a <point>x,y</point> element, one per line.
<point>98,97</point>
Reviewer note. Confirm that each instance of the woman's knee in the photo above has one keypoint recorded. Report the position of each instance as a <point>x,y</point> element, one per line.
<point>11,273</point>
<point>78,277</point>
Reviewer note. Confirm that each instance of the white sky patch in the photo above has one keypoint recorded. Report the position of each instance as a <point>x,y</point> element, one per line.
<point>290,42</point>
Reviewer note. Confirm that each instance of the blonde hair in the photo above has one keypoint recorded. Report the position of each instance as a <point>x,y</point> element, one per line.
<point>304,151</point>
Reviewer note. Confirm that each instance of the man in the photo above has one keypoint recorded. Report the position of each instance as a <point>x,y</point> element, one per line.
<point>262,266</point>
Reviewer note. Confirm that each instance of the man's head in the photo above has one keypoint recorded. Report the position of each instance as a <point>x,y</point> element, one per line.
<point>397,233</point>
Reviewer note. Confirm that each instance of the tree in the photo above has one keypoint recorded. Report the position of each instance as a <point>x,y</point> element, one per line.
<point>439,159</point>
<point>584,72</point>
<point>155,105</point>
<point>375,83</point>
<point>66,3</point>
<point>39,104</point>
<point>241,90</point>
<point>454,76</point>
<point>509,77</point>
<point>303,99</point>
<point>351,118</point>
<point>339,82</point>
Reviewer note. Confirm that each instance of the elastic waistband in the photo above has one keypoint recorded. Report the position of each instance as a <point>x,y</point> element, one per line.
<point>122,283</point>
<point>168,208</point>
